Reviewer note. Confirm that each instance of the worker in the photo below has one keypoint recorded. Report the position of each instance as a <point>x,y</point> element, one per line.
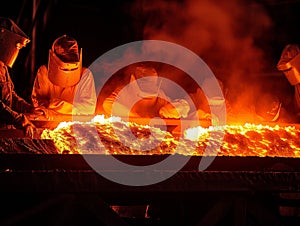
<point>63,82</point>
<point>142,97</point>
<point>269,108</point>
<point>12,106</point>
<point>289,64</point>
<point>209,109</point>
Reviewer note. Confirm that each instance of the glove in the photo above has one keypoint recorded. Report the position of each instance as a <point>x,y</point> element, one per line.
<point>204,115</point>
<point>44,113</point>
<point>23,123</point>
<point>177,109</point>
<point>60,106</point>
<point>19,120</point>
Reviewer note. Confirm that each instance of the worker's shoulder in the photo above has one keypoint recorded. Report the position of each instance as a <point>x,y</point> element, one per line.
<point>86,72</point>
<point>43,68</point>
<point>42,72</point>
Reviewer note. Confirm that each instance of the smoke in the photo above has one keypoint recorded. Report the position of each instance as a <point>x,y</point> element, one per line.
<point>223,33</point>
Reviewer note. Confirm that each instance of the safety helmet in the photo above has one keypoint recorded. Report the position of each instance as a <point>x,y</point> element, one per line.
<point>289,63</point>
<point>147,80</point>
<point>65,62</point>
<point>12,39</point>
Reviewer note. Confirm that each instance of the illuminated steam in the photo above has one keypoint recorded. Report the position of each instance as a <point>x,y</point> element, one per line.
<point>223,33</point>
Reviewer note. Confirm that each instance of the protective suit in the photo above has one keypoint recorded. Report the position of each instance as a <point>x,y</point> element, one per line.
<point>64,82</point>
<point>289,64</point>
<point>12,106</point>
<point>269,108</point>
<point>142,97</point>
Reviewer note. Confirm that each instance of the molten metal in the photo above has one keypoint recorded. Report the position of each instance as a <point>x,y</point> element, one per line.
<point>111,136</point>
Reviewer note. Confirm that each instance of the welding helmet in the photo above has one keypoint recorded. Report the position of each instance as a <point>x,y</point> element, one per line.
<point>268,107</point>
<point>147,80</point>
<point>65,62</point>
<point>12,39</point>
<point>289,63</point>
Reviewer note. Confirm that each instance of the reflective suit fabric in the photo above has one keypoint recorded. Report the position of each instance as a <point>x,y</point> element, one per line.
<point>297,98</point>
<point>11,105</point>
<point>289,65</point>
<point>60,99</point>
<point>8,95</point>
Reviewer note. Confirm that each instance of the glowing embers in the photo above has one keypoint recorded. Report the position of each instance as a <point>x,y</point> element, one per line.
<point>114,136</point>
<point>251,140</point>
<point>110,136</point>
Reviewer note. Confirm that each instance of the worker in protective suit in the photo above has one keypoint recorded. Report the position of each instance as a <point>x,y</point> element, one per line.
<point>270,108</point>
<point>12,106</point>
<point>142,97</point>
<point>289,64</point>
<point>63,82</point>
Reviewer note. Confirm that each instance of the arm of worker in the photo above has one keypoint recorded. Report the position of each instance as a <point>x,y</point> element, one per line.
<point>297,98</point>
<point>19,120</point>
<point>111,102</point>
<point>85,98</point>
<point>179,108</point>
<point>40,90</point>
<point>20,104</point>
<point>17,103</point>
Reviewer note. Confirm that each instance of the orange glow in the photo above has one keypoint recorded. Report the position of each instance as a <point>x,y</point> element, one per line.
<point>113,134</point>
<point>252,140</point>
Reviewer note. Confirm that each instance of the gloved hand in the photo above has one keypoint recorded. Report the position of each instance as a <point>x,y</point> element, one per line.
<point>204,115</point>
<point>43,112</point>
<point>60,106</point>
<point>169,111</point>
<point>19,120</point>
<point>23,123</point>
<point>207,116</point>
<point>176,109</point>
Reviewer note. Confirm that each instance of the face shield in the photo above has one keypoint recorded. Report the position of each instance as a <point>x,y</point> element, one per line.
<point>289,63</point>
<point>292,70</point>
<point>149,87</point>
<point>64,73</point>
<point>12,39</point>
<point>147,81</point>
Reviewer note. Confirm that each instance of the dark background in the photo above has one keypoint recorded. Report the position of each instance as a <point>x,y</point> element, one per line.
<point>102,25</point>
<point>98,27</point>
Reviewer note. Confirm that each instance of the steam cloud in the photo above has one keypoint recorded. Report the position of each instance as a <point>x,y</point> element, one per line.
<point>223,33</point>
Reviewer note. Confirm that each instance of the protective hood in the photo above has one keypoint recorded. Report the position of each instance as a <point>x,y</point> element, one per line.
<point>147,81</point>
<point>64,73</point>
<point>12,39</point>
<point>289,63</point>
